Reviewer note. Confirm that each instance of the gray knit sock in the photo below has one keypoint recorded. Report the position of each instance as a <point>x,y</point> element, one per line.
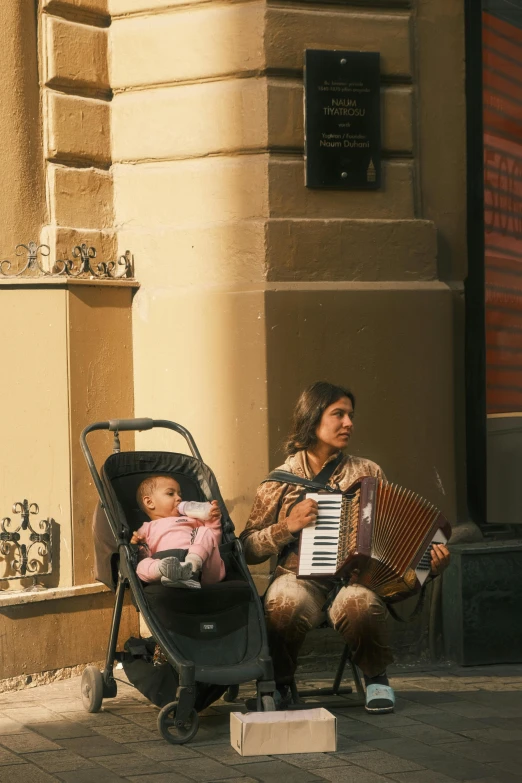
<point>173,571</point>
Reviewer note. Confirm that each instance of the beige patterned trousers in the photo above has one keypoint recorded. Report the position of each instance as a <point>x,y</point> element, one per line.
<point>295,606</point>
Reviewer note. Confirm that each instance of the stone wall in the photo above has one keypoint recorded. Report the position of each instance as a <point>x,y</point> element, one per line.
<point>174,128</point>
<point>76,97</point>
<point>252,284</point>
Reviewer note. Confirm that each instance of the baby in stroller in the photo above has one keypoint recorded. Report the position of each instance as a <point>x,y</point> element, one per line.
<point>191,546</point>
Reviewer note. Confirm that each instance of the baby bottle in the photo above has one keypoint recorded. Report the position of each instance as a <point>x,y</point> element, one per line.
<point>191,508</point>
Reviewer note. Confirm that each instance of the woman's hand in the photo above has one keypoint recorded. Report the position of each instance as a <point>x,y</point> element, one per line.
<point>136,539</point>
<point>440,558</point>
<point>302,515</point>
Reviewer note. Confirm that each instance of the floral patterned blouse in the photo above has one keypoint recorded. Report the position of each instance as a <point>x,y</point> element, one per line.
<point>266,532</point>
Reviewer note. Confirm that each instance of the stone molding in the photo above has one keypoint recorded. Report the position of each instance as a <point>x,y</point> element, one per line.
<point>91,12</point>
<point>13,598</point>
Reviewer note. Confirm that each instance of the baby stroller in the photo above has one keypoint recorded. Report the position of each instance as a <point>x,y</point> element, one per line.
<point>213,636</point>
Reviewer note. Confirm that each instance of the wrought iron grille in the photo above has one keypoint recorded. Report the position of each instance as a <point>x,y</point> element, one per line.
<point>26,552</point>
<point>81,265</point>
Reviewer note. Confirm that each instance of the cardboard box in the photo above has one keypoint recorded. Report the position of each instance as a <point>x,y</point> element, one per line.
<point>291,731</point>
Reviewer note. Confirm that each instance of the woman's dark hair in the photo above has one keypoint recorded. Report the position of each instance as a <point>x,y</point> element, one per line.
<point>308,412</point>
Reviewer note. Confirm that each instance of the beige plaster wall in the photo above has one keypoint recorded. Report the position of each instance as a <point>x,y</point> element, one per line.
<point>67,356</point>
<point>176,130</point>
<point>100,388</point>
<point>191,199</point>
<point>202,175</point>
<point>33,417</point>
<point>253,285</point>
<point>57,634</point>
<point>442,176</point>
<point>68,363</point>
<point>391,344</point>
<point>76,100</point>
<point>200,359</point>
<point>441,101</point>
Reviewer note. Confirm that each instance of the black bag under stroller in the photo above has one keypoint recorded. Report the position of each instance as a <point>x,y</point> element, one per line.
<point>213,638</point>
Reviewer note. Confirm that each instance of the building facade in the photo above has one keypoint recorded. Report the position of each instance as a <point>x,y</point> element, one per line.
<point>174,129</point>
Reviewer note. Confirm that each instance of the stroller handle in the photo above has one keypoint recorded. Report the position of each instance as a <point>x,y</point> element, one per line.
<point>122,425</point>
<point>129,424</point>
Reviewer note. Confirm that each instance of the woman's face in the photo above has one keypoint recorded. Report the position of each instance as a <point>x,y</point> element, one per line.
<point>336,425</point>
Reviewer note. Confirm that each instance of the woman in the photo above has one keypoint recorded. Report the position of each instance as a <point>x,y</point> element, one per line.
<point>322,427</point>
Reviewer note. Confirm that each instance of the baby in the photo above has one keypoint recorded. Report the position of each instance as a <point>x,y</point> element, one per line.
<point>159,497</point>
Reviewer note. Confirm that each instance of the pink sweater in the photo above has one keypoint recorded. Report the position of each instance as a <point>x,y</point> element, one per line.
<point>200,538</point>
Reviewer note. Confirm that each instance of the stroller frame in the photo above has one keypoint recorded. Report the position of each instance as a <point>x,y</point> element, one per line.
<point>180,715</point>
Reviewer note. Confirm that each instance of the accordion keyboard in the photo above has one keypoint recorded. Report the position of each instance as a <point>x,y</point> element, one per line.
<point>424,567</point>
<point>319,542</point>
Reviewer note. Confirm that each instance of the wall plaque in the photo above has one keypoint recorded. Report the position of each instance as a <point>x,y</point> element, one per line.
<point>342,119</point>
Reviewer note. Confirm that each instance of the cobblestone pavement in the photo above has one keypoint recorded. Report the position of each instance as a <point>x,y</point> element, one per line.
<point>449,725</point>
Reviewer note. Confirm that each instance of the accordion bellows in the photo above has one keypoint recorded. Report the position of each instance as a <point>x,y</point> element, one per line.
<point>382,530</point>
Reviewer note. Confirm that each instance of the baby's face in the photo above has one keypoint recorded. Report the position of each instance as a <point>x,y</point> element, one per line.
<point>165,498</point>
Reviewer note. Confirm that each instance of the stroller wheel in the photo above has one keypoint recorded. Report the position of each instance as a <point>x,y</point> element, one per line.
<point>92,689</point>
<point>268,703</point>
<point>231,693</point>
<point>171,731</point>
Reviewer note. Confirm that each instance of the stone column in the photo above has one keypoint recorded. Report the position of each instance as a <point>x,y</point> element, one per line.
<point>76,118</point>
<point>253,285</point>
<point>22,194</point>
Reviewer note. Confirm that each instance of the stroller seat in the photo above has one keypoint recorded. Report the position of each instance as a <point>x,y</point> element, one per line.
<point>206,624</point>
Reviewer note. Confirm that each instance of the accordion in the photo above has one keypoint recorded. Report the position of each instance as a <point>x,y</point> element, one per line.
<point>385,532</point>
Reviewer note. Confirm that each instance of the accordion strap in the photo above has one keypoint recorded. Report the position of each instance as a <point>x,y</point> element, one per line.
<point>285,477</point>
<point>319,482</point>
<point>418,606</point>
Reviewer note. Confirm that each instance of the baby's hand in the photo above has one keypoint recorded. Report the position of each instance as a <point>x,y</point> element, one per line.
<point>214,513</point>
<point>137,539</point>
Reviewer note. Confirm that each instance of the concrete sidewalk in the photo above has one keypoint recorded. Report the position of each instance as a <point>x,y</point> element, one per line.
<point>449,725</point>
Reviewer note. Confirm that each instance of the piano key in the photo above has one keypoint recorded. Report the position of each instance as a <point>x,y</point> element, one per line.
<point>322,536</point>
<point>309,560</point>
<point>332,510</point>
<point>311,563</point>
<point>330,522</point>
<point>329,512</point>
<point>327,518</point>
<point>329,539</point>
<point>329,560</point>
<point>321,547</point>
